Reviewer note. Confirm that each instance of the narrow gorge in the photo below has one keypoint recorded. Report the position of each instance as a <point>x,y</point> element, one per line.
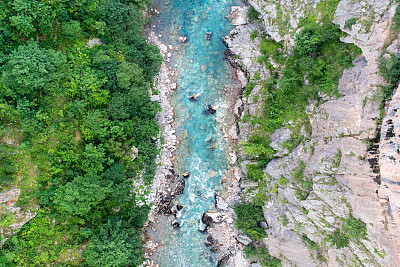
<point>316,174</point>
<point>200,87</point>
<point>173,133</point>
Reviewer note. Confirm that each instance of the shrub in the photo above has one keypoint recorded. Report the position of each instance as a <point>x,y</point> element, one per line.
<point>249,88</point>
<point>339,239</point>
<point>311,244</point>
<point>254,172</point>
<point>355,228</point>
<point>262,255</point>
<point>396,19</point>
<point>349,23</point>
<point>267,47</point>
<point>389,68</point>
<point>253,34</point>
<point>252,14</point>
<point>248,220</point>
<point>284,219</point>
<point>282,181</point>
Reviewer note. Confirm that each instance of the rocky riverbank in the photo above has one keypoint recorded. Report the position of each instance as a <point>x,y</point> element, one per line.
<point>334,156</point>
<point>218,223</point>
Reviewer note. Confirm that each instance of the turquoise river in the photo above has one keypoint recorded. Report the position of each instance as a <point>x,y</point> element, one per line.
<point>203,151</point>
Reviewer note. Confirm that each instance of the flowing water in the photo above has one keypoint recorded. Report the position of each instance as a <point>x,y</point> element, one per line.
<point>201,70</point>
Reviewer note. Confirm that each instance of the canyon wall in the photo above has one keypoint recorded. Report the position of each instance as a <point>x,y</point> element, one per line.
<point>334,156</point>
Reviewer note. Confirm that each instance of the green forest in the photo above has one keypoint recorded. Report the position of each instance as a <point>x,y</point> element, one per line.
<point>70,116</point>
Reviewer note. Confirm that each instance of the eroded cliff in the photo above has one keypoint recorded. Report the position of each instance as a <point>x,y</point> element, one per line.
<point>307,223</point>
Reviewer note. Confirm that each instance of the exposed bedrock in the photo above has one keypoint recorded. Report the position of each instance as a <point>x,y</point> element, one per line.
<point>340,187</point>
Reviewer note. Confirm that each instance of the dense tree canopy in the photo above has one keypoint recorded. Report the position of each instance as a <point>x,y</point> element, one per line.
<point>70,115</point>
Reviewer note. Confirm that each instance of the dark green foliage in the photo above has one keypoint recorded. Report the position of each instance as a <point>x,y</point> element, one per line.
<point>252,14</point>
<point>339,239</point>
<point>396,19</point>
<point>262,255</point>
<point>248,220</point>
<point>389,68</point>
<point>31,68</point>
<point>349,23</point>
<point>7,167</point>
<point>74,113</point>
<point>355,228</point>
<point>254,172</point>
<point>117,243</point>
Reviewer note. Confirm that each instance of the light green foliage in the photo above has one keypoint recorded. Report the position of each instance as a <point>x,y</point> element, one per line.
<point>23,24</point>
<point>248,220</point>
<point>275,190</point>
<point>261,254</point>
<point>337,159</point>
<point>389,68</point>
<point>254,172</point>
<point>72,29</point>
<point>258,146</point>
<point>117,243</point>
<point>7,167</point>
<point>267,47</point>
<point>129,74</point>
<point>7,219</point>
<point>282,181</point>
<point>82,194</point>
<point>367,142</point>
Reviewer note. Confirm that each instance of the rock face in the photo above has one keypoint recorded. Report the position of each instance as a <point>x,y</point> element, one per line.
<point>334,158</point>
<point>8,205</point>
<point>389,160</point>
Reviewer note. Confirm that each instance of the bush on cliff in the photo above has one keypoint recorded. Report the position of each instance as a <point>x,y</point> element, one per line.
<point>248,220</point>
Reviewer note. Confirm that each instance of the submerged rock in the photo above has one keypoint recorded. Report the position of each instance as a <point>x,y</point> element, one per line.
<point>165,205</point>
<point>210,241</point>
<point>209,109</point>
<point>179,186</point>
<point>208,36</point>
<point>176,224</point>
<point>193,98</point>
<point>223,261</point>
<point>182,39</point>
<point>179,207</point>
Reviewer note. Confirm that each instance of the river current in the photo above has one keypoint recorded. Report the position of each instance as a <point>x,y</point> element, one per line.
<point>202,70</point>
